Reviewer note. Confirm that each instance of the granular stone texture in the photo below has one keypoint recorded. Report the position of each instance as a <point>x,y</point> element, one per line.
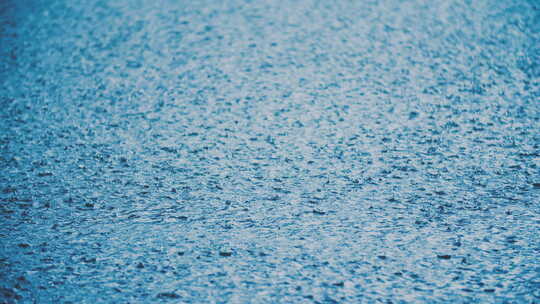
<point>157,151</point>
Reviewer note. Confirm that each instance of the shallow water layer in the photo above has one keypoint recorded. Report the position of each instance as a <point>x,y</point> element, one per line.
<point>270,151</point>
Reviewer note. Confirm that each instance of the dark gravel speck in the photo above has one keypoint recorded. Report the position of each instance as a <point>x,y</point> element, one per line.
<point>168,295</point>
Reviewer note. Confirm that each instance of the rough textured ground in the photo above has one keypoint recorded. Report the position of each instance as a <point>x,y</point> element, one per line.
<point>270,151</point>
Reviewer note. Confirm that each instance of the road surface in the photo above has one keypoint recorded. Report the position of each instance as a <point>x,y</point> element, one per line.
<point>270,151</point>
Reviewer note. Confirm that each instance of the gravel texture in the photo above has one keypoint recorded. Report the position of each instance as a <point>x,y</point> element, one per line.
<point>270,151</point>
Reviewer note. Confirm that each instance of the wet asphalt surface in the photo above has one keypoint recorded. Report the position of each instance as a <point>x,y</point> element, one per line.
<point>270,151</point>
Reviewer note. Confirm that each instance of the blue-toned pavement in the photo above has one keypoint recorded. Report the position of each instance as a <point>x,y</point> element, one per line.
<point>270,151</point>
